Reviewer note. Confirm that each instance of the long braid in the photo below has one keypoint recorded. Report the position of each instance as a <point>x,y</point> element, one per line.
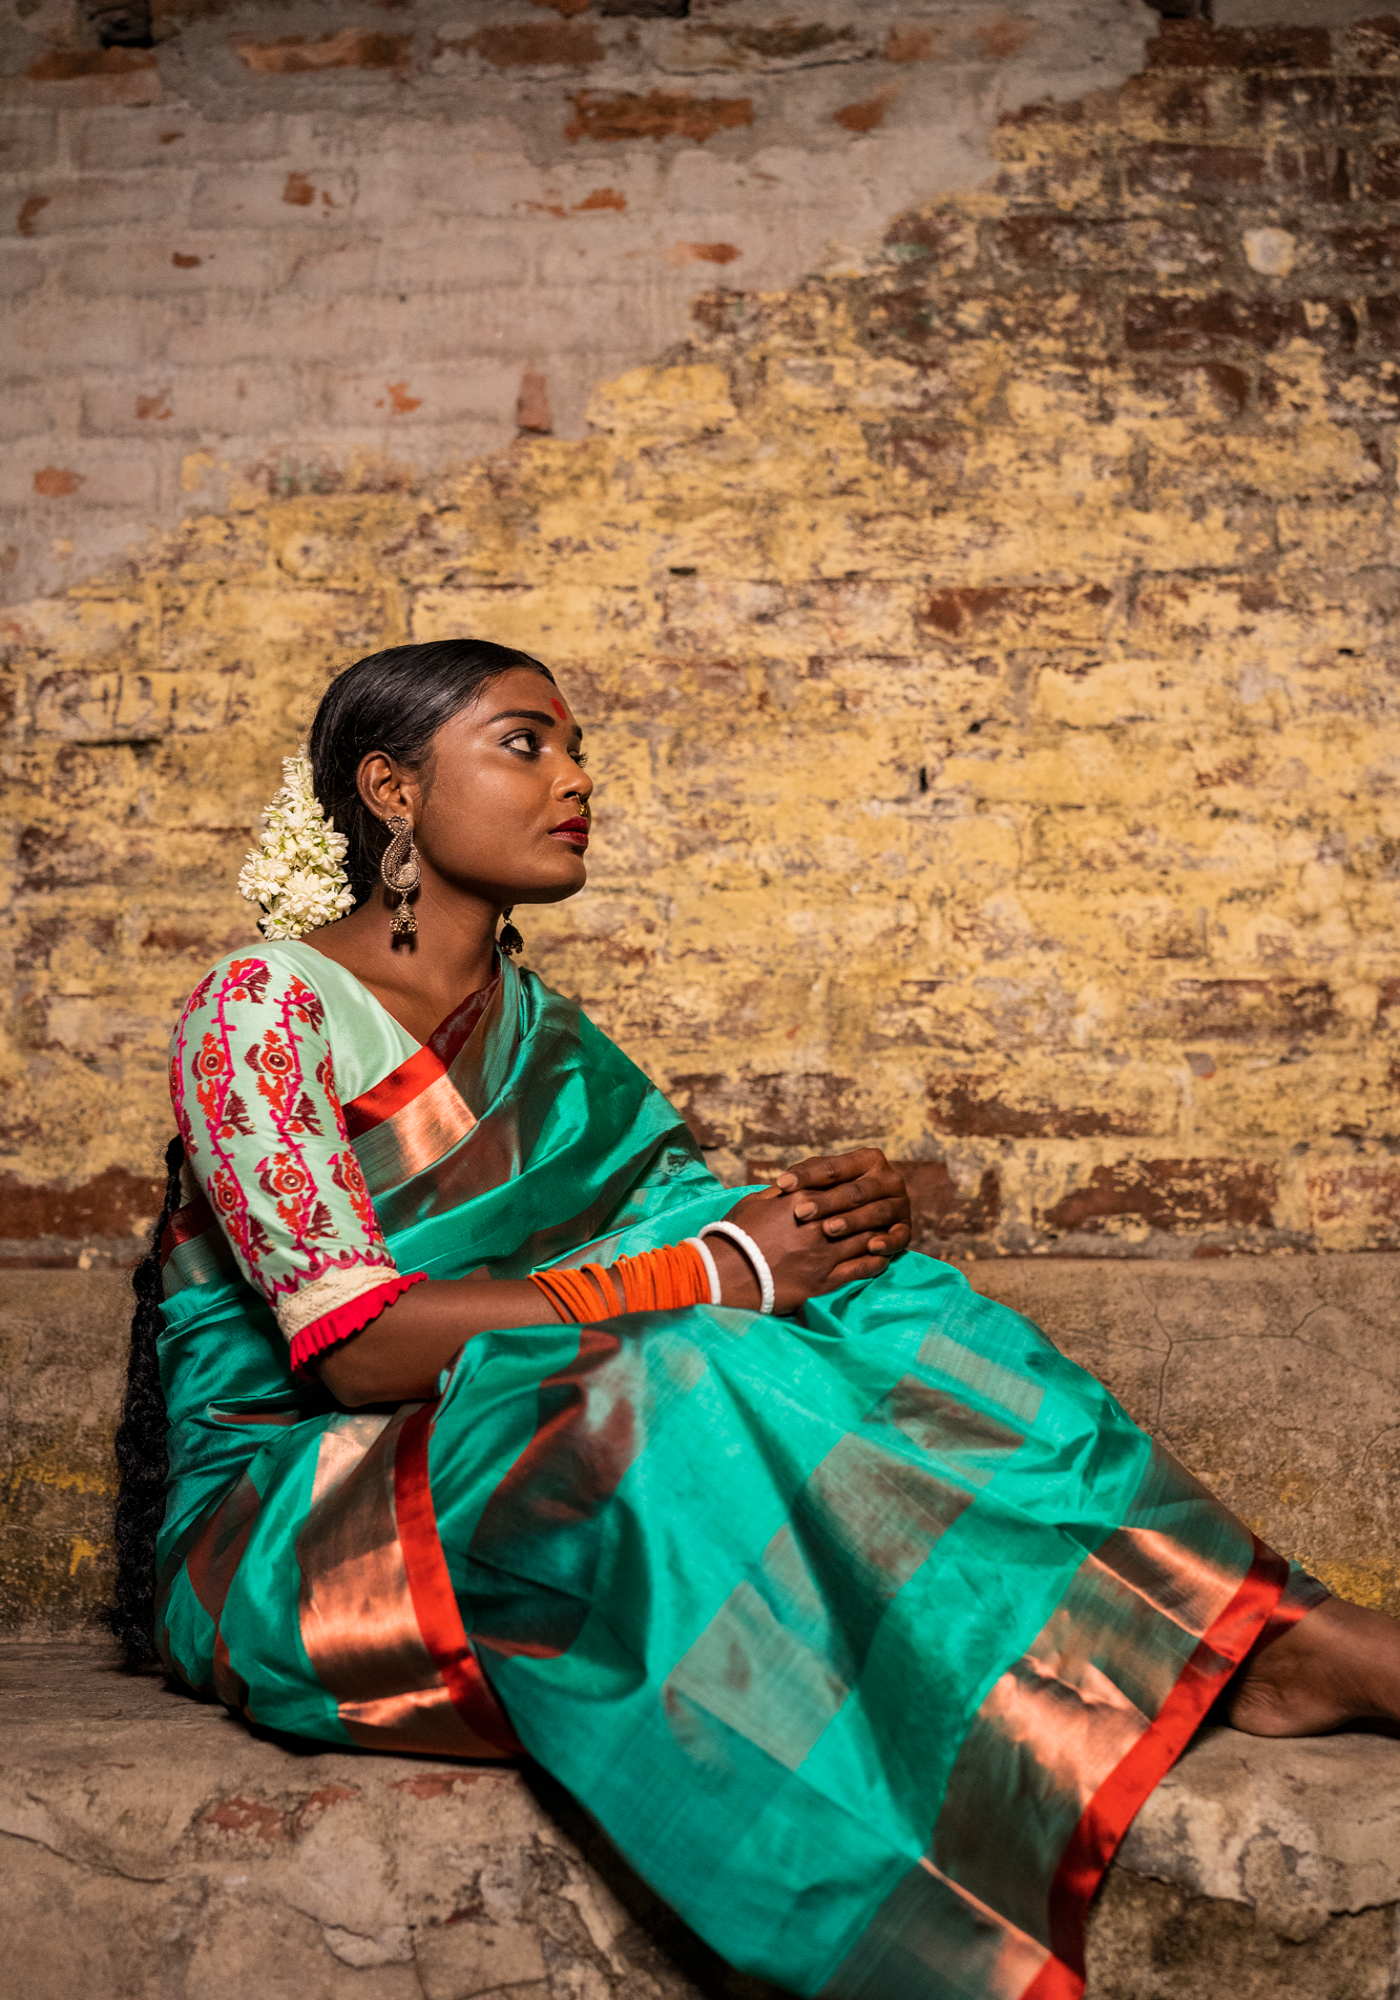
<point>141,1454</point>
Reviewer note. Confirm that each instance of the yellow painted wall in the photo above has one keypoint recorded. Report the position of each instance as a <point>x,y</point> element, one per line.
<point>988,671</point>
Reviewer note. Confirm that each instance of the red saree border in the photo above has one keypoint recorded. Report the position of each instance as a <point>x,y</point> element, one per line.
<point>430,1587</point>
<point>1111,1811</point>
<point>385,1099</point>
<point>392,1092</point>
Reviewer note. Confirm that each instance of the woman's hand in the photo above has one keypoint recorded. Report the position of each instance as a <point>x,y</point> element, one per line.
<point>848,1192</point>
<point>826,1223</point>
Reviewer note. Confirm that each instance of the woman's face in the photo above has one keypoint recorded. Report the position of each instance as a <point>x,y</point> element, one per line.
<point>498,805</point>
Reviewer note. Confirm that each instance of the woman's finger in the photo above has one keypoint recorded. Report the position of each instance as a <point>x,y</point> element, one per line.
<point>881,1183</point>
<point>891,1242</point>
<point>854,1268</point>
<point>830,1169</point>
<point>872,1215</point>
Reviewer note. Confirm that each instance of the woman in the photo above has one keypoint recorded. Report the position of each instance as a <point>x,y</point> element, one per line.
<point>861,1619</point>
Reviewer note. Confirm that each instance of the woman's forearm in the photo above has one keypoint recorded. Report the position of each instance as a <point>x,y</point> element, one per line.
<point>398,1357</point>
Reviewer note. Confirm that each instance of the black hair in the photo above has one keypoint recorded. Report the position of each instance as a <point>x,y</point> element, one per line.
<point>394,701</point>
<point>142,1463</point>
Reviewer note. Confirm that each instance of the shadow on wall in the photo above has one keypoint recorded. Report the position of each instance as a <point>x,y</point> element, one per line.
<point>988,661</point>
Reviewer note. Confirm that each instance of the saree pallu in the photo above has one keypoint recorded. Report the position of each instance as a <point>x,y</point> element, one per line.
<point>863,1634</point>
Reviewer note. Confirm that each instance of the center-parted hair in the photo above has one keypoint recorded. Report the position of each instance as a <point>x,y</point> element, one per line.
<point>394,701</point>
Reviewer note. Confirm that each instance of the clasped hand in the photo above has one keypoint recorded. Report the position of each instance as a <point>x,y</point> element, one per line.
<point>824,1223</point>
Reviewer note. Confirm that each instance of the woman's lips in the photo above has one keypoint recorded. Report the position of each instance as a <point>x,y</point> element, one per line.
<point>574,831</point>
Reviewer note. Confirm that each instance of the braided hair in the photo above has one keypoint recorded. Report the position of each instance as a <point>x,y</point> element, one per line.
<point>394,701</point>
<point>142,1462</point>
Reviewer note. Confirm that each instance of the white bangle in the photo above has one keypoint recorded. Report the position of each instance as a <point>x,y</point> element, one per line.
<point>767,1296</point>
<point>711,1269</point>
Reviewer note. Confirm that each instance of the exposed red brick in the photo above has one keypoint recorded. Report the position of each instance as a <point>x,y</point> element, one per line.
<point>1180,384</point>
<point>928,454</point>
<point>1193,173</point>
<point>1191,325</point>
<point>1383,176</point>
<point>907,45</point>
<point>659,114</point>
<point>1004,35</point>
<point>786,39</point>
<point>157,406</point>
<point>299,191</point>
<point>1363,250</point>
<point>702,253</point>
<point>1196,45</point>
<point>438,1784</point>
<point>1295,103</point>
<point>974,614</point>
<point>968,1106</point>
<point>809,1109</point>
<point>1171,1195</point>
<point>63,65</point>
<point>532,45</point>
<point>862,117</point>
<point>1245,1010</point>
<point>532,412</point>
<point>240,1815</point>
<point>351,48</point>
<point>941,1210</point>
<point>27,221</point>
<point>304,1816</point>
<point>56,483</point>
<point>718,311</point>
<point>1365,1191</point>
<point>598,198</point>
<point>114,1203</point>
<point>398,400</point>
<point>1373,44</point>
<point>185,263</point>
<point>915,239</point>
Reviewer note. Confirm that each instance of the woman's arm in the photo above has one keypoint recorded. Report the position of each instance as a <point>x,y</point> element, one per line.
<point>818,1231</point>
<point>398,1357</point>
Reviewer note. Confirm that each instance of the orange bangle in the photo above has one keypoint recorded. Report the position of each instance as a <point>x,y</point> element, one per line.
<point>663,1280</point>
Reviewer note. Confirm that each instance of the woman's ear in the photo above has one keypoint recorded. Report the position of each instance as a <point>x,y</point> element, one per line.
<point>386,787</point>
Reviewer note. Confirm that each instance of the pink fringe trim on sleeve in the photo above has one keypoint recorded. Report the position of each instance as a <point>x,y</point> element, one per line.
<point>333,1327</point>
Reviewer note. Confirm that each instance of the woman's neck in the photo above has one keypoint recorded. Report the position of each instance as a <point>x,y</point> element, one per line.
<point>418,979</point>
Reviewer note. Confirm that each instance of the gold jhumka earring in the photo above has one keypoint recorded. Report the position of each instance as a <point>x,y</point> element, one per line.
<point>510,940</point>
<point>400,874</point>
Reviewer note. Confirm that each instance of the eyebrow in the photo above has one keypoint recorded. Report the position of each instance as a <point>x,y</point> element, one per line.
<point>533,715</point>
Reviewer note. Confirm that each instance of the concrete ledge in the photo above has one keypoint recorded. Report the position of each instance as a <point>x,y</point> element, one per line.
<point>153,1846</point>
<point>1276,1379</point>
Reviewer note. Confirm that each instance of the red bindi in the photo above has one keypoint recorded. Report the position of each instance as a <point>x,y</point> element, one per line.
<point>558,707</point>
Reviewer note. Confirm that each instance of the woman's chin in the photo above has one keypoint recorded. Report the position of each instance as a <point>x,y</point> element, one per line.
<point>566,881</point>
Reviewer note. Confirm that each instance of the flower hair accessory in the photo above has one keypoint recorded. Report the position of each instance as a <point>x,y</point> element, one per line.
<point>295,870</point>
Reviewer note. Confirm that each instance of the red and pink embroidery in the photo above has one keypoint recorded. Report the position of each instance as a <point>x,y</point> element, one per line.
<point>296,1232</point>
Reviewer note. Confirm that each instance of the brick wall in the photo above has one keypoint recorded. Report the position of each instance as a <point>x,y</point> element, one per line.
<point>988,662</point>
<point>277,253</point>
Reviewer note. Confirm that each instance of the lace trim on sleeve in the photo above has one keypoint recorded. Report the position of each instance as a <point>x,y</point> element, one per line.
<point>335,1322</point>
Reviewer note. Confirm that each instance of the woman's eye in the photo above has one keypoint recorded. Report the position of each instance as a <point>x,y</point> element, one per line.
<point>524,741</point>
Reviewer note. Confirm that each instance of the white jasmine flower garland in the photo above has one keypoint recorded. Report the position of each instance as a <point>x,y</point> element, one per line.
<point>295,872</point>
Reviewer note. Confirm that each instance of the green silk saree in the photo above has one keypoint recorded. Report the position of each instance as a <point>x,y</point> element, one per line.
<point>863,1633</point>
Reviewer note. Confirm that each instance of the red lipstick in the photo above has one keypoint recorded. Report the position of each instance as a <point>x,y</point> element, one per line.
<point>574,831</point>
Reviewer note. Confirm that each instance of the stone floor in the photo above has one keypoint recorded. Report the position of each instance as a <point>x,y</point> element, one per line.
<point>153,1848</point>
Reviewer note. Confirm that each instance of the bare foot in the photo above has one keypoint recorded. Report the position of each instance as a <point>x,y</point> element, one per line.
<point>1338,1664</point>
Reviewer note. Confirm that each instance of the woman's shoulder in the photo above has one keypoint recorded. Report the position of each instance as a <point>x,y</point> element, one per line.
<point>269,970</point>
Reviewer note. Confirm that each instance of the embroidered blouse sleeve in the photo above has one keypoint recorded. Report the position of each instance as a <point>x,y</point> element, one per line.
<point>253,1087</point>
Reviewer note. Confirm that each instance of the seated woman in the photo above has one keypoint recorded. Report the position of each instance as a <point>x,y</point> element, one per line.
<point>860,1618</point>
